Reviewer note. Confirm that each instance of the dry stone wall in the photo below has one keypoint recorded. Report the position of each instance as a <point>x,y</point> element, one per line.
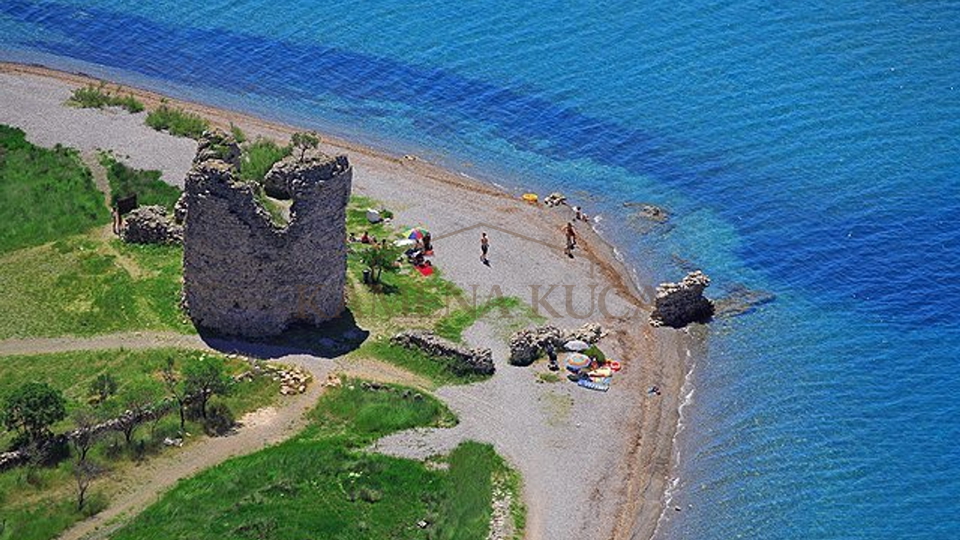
<point>465,361</point>
<point>245,275</point>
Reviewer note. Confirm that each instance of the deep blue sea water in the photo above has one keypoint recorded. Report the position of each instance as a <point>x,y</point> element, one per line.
<point>808,149</point>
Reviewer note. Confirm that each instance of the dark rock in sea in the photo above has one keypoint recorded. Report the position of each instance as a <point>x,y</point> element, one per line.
<point>679,304</point>
<point>650,212</point>
<point>739,300</point>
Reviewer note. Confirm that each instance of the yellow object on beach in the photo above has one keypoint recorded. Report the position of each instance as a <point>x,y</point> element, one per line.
<point>601,372</point>
<point>530,197</point>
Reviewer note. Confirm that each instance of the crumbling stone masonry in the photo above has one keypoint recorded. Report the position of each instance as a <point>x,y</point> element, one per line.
<point>245,275</point>
<point>465,361</point>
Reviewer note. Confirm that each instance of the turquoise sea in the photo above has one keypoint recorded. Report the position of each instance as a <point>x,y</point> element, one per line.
<point>808,149</point>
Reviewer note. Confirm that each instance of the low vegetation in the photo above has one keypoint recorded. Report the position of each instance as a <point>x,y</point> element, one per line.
<point>146,185</point>
<point>452,325</point>
<point>46,193</point>
<point>259,156</point>
<point>86,286</point>
<point>39,500</point>
<point>99,96</point>
<point>322,485</point>
<point>177,122</point>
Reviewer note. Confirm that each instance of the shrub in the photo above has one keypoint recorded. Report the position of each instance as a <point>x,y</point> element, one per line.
<point>32,409</point>
<point>219,420</point>
<point>259,156</point>
<point>238,134</point>
<point>595,353</point>
<point>98,97</point>
<point>177,122</point>
<point>147,185</point>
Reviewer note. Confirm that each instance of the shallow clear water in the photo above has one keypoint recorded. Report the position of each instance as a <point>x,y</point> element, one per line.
<point>811,151</point>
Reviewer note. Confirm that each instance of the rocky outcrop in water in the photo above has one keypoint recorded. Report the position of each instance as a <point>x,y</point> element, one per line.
<point>150,225</point>
<point>679,304</point>
<point>464,360</point>
<point>245,275</point>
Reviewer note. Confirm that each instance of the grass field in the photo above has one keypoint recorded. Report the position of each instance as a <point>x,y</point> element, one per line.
<point>320,485</point>
<point>149,189</point>
<point>36,503</point>
<point>84,286</point>
<point>46,193</point>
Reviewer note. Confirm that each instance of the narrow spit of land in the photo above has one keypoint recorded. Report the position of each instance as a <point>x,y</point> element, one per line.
<point>627,433</point>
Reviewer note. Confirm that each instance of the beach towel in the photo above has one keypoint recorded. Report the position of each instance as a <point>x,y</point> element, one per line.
<point>599,386</point>
<point>426,269</point>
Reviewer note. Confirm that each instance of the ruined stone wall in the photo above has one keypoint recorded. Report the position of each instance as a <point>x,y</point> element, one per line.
<point>245,275</point>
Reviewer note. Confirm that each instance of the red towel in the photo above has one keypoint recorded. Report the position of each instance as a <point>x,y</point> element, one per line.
<point>425,269</point>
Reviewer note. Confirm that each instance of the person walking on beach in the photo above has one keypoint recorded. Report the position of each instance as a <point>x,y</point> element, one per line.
<point>571,235</point>
<point>484,247</point>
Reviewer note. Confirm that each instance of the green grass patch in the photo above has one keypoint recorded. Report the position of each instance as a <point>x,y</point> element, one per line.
<point>452,325</point>
<point>258,157</point>
<point>549,377</point>
<point>46,193</point>
<point>98,97</point>
<point>177,122</point>
<point>276,209</point>
<point>465,511</point>
<point>318,485</point>
<point>37,503</point>
<point>146,185</point>
<point>79,286</point>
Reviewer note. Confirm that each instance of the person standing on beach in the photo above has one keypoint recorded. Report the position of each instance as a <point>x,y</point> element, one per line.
<point>484,247</point>
<point>571,235</point>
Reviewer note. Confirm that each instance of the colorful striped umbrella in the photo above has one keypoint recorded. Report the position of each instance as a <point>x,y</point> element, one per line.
<point>577,361</point>
<point>417,233</point>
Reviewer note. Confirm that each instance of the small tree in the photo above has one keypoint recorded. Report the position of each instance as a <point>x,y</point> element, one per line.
<point>204,378</point>
<point>104,386</point>
<point>136,399</point>
<point>304,141</point>
<point>379,258</point>
<point>85,473</point>
<point>177,390</point>
<point>32,409</point>
<point>84,419</point>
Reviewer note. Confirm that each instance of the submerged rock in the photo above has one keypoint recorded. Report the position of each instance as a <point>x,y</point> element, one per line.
<point>679,304</point>
<point>647,211</point>
<point>740,300</point>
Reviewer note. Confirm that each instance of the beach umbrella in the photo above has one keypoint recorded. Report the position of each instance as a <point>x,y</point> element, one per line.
<point>577,361</point>
<point>417,233</point>
<point>577,345</point>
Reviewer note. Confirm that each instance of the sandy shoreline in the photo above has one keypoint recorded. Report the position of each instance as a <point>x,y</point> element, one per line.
<point>640,451</point>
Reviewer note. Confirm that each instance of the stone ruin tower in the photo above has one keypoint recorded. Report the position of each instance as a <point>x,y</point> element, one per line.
<point>245,275</point>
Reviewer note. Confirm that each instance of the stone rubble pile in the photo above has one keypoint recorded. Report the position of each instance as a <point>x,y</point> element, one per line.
<point>215,144</point>
<point>678,304</point>
<point>479,361</point>
<point>292,381</point>
<point>529,344</point>
<point>150,225</point>
<point>555,199</point>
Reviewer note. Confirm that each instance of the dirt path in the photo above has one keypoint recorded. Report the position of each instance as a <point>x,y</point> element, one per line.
<point>137,488</point>
<point>145,484</point>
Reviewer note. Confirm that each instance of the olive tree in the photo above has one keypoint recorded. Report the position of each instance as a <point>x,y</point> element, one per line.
<point>304,141</point>
<point>32,409</point>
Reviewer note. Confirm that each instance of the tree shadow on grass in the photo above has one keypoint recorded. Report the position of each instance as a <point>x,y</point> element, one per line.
<point>331,339</point>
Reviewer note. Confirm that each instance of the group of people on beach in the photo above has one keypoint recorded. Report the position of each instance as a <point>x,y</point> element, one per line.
<point>569,233</point>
